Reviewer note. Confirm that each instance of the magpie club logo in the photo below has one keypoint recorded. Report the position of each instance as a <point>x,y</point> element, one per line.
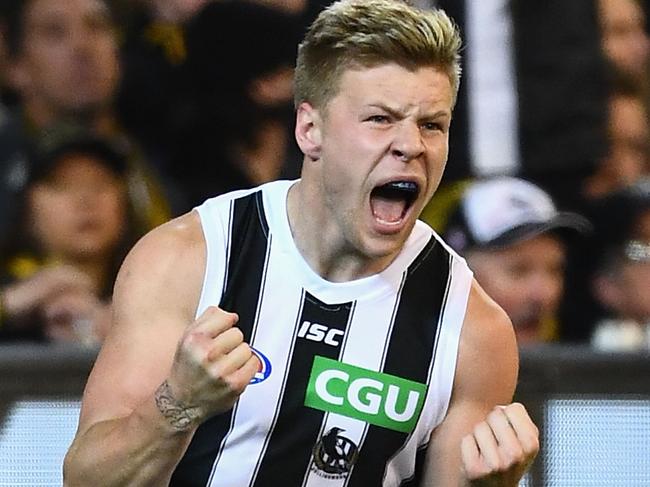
<point>334,455</point>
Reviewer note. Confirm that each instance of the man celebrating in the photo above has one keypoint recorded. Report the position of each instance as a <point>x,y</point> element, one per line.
<point>313,332</point>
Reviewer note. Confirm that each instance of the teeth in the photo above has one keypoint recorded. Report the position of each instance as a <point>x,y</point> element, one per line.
<point>404,186</point>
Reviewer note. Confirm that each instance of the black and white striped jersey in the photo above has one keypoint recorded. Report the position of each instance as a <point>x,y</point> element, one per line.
<point>354,376</point>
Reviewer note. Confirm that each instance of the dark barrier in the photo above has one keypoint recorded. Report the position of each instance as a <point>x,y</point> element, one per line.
<point>593,410</point>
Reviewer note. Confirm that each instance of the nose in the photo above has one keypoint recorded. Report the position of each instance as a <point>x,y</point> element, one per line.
<point>85,197</point>
<point>407,144</point>
<point>544,289</point>
<point>81,44</point>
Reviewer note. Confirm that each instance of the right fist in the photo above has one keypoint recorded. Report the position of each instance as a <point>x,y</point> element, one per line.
<point>212,366</point>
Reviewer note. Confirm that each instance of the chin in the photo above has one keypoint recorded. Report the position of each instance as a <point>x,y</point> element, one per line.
<point>385,246</point>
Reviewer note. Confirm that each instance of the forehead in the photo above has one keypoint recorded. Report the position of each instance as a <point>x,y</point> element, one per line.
<point>80,165</point>
<point>41,10</point>
<point>536,250</point>
<point>426,87</point>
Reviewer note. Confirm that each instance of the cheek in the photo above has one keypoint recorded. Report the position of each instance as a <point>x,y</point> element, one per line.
<point>114,213</point>
<point>49,221</point>
<point>435,175</point>
<point>437,161</point>
<point>109,57</point>
<point>637,282</point>
<point>509,293</point>
<point>49,211</point>
<point>500,285</point>
<point>48,60</point>
<point>557,289</point>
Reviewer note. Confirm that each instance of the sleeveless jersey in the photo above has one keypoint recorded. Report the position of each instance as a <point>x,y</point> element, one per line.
<point>354,376</point>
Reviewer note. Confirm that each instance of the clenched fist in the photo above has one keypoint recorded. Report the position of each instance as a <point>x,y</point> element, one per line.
<point>211,368</point>
<point>501,448</point>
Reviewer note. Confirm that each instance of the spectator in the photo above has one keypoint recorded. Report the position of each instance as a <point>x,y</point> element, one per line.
<point>292,6</point>
<point>627,159</point>
<point>148,99</point>
<point>306,9</point>
<point>512,236</point>
<point>240,88</point>
<point>533,100</point>
<point>174,11</point>
<point>625,41</point>
<point>72,230</point>
<point>63,65</point>
<point>621,280</point>
<point>3,62</point>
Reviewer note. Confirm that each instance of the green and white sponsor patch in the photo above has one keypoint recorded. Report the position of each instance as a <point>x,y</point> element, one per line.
<point>380,399</point>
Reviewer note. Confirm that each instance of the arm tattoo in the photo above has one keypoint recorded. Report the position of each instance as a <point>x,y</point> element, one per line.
<point>180,416</point>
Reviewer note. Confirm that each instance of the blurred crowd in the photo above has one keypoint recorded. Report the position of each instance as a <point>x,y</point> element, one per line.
<point>117,115</point>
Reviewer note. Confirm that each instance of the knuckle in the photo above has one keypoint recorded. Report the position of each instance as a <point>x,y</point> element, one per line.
<point>496,465</point>
<point>206,363</point>
<point>535,430</point>
<point>238,334</point>
<point>192,341</point>
<point>215,374</point>
<point>237,386</point>
<point>479,428</point>
<point>513,456</point>
<point>495,414</point>
<point>531,445</point>
<point>188,343</point>
<point>478,471</point>
<point>472,471</point>
<point>517,409</point>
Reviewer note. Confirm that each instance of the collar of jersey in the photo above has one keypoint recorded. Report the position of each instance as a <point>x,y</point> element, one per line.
<point>385,282</point>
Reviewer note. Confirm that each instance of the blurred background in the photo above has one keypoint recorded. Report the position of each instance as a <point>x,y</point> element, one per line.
<point>117,115</point>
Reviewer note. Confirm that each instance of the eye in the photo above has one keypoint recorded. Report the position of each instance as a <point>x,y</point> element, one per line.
<point>52,31</point>
<point>381,119</point>
<point>434,126</point>
<point>99,23</point>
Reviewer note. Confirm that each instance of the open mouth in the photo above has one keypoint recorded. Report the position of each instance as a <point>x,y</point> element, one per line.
<point>390,202</point>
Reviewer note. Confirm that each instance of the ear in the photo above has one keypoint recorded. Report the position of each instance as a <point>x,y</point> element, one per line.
<point>308,130</point>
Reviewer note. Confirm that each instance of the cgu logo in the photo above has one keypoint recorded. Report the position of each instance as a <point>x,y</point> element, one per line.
<point>320,333</point>
<point>376,398</point>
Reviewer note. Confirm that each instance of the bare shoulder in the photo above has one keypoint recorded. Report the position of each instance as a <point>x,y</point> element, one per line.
<point>179,241</point>
<point>486,376</point>
<point>488,358</point>
<point>169,260</point>
<point>155,299</point>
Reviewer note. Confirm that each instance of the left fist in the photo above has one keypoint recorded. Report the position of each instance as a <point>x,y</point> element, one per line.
<point>501,448</point>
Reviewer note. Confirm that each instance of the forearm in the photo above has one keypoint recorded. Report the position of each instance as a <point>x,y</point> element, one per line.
<point>141,449</point>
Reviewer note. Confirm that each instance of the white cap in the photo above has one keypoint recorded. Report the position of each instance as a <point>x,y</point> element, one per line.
<point>502,211</point>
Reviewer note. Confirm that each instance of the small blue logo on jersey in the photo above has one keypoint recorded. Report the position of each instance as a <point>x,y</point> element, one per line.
<point>264,368</point>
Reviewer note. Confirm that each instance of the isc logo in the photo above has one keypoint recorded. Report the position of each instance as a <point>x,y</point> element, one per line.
<point>320,333</point>
<point>381,399</point>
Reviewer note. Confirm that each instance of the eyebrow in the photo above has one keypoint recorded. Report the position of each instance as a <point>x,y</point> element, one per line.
<point>395,112</point>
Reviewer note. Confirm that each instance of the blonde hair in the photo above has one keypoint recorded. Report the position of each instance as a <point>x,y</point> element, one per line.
<point>367,33</point>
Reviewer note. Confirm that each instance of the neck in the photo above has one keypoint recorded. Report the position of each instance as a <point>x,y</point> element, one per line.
<point>319,239</point>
